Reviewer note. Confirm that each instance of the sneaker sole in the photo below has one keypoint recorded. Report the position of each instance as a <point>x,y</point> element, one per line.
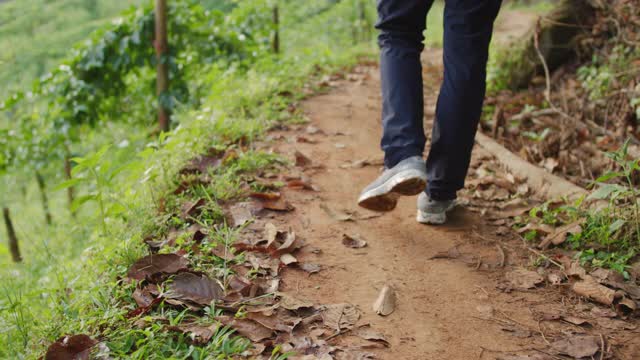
<point>385,197</point>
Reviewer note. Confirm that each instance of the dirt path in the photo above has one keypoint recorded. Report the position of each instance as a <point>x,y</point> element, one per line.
<point>441,304</point>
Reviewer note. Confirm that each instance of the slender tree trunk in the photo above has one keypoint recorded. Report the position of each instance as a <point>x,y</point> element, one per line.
<point>13,239</point>
<point>162,83</point>
<point>275,43</point>
<point>364,24</point>
<point>45,198</point>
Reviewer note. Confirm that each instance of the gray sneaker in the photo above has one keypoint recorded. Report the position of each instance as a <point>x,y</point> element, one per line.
<point>408,177</point>
<point>433,212</point>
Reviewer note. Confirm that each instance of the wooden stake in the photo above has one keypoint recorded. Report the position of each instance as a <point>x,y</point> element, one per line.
<point>67,174</point>
<point>13,239</point>
<point>161,45</point>
<point>45,198</point>
<point>275,43</point>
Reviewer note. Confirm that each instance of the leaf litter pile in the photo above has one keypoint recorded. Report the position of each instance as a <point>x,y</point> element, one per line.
<point>191,268</point>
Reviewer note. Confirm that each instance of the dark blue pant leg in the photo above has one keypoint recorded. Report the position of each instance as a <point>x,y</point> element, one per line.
<point>401,24</point>
<point>468,26</point>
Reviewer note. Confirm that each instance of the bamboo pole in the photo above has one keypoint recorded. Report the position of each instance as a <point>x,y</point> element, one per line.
<point>275,43</point>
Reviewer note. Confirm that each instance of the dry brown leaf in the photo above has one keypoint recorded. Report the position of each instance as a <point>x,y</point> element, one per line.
<point>191,208</point>
<point>301,159</point>
<point>299,184</point>
<point>385,304</point>
<point>366,333</point>
<point>143,297</point>
<point>524,279</point>
<point>280,322</point>
<point>578,346</point>
<point>288,259</point>
<point>353,241</point>
<point>155,264</point>
<point>272,201</point>
<point>560,235</point>
<point>72,347</point>
<point>250,329</point>
<point>291,303</point>
<point>603,312</point>
<point>310,268</point>
<point>242,213</point>
<point>613,324</point>
<point>340,317</point>
<point>194,288</point>
<point>575,320</point>
<point>202,164</point>
<point>591,289</point>
<point>200,334</point>
<point>336,214</point>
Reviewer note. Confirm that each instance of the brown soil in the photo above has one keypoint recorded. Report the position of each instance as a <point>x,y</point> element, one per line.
<point>446,308</point>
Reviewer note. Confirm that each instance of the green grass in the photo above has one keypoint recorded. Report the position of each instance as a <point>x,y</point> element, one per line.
<point>70,281</point>
<point>36,34</point>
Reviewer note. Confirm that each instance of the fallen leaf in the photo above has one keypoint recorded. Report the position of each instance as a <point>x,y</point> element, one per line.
<point>310,268</point>
<point>155,264</point>
<point>575,320</point>
<point>311,130</point>
<point>336,214</point>
<point>300,184</point>
<point>340,317</point>
<point>613,324</point>
<point>591,289</point>
<point>143,297</point>
<point>369,334</point>
<point>241,213</point>
<point>271,233</point>
<point>560,235</point>
<point>603,313</point>
<point>250,329</point>
<point>524,279</point>
<point>301,159</point>
<point>273,201</point>
<point>291,303</point>
<point>288,259</point>
<point>289,245</point>
<point>202,164</point>
<point>578,346</point>
<point>279,322</point>
<point>385,304</point>
<point>525,357</point>
<point>191,208</point>
<point>187,286</point>
<point>71,347</point>
<point>353,241</point>
<point>199,334</point>
<point>626,306</point>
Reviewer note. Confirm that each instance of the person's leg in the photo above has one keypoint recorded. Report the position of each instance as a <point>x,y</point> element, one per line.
<point>468,26</point>
<point>401,24</point>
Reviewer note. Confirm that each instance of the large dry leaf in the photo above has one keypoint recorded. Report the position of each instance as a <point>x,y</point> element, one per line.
<point>202,164</point>
<point>250,329</point>
<point>336,214</point>
<point>155,264</point>
<point>73,347</point>
<point>340,317</point>
<point>200,334</point>
<point>560,235</point>
<point>524,279</point>
<point>591,289</point>
<point>385,304</point>
<point>369,334</point>
<point>241,213</point>
<point>191,208</point>
<point>143,297</point>
<point>578,346</point>
<point>291,303</point>
<point>288,259</point>
<point>353,241</point>
<point>280,322</point>
<point>273,201</point>
<point>194,288</point>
